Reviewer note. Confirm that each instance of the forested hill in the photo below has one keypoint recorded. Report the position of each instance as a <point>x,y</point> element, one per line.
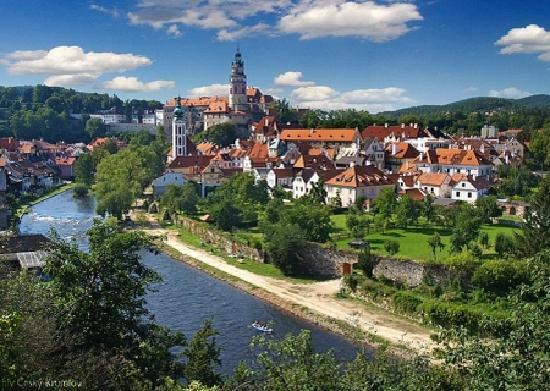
<point>29,112</point>
<point>540,101</point>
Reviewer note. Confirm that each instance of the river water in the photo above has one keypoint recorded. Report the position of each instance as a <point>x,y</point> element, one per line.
<point>187,296</point>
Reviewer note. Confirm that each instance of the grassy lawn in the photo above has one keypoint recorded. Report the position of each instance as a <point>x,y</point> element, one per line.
<point>413,240</point>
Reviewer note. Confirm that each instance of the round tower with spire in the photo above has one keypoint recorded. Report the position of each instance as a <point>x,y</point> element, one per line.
<point>237,84</point>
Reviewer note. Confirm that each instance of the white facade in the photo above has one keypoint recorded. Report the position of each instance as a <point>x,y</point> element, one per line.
<point>465,191</point>
<point>169,178</point>
<point>423,144</point>
<point>110,118</point>
<point>349,195</point>
<point>475,170</point>
<point>279,177</point>
<point>179,132</point>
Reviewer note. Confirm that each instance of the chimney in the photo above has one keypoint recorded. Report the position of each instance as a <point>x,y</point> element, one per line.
<point>421,156</point>
<point>415,125</point>
<point>266,122</point>
<point>393,148</point>
<point>410,124</point>
<point>386,125</point>
<point>374,124</point>
<point>402,125</point>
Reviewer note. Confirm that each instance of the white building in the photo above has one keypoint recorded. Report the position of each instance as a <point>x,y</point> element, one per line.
<point>280,177</point>
<point>163,181</point>
<point>469,189</point>
<point>423,144</point>
<point>454,161</point>
<point>109,118</point>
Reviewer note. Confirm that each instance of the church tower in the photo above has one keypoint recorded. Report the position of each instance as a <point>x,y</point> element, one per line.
<point>237,85</point>
<point>179,131</point>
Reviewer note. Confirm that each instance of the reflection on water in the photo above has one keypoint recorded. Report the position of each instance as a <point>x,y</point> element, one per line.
<point>186,296</point>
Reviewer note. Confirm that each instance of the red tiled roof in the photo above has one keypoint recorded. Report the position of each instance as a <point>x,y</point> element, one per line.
<point>321,134</point>
<point>381,132</point>
<point>360,176</point>
<point>404,151</point>
<point>65,161</point>
<point>200,161</point>
<point>432,178</point>
<point>315,162</point>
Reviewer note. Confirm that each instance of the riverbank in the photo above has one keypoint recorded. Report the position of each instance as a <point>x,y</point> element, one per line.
<point>24,208</point>
<point>316,302</point>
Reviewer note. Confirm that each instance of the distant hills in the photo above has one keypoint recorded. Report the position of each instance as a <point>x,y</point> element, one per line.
<point>474,104</point>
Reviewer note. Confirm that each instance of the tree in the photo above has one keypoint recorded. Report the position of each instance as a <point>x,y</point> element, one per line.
<point>540,147</point>
<point>465,222</point>
<point>95,128</point>
<point>428,208</point>
<point>226,215</point>
<point>407,211</point>
<point>180,198</point>
<point>435,243</point>
<point>487,207</point>
<point>223,134</point>
<point>391,247</point>
<point>84,169</point>
<point>100,306</point>
<point>202,354</point>
<point>317,194</point>
<point>283,244</point>
<point>386,202</point>
<point>535,230</point>
<point>80,190</point>
<point>504,244</point>
<point>484,239</point>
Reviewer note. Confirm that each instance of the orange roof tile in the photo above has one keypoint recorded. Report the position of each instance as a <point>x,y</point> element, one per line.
<point>325,135</point>
<point>360,176</point>
<point>433,178</point>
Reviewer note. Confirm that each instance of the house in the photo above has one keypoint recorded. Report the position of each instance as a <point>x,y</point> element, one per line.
<point>357,182</point>
<point>190,166</point>
<point>214,175</point>
<point>436,184</point>
<point>398,154</point>
<point>66,166</point>
<point>265,129</point>
<point>373,150</point>
<point>168,178</point>
<point>454,160</point>
<point>323,138</point>
<point>280,177</point>
<point>307,178</point>
<point>469,189</point>
<point>392,133</point>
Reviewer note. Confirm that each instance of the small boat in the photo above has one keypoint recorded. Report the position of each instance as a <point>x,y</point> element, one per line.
<point>262,328</point>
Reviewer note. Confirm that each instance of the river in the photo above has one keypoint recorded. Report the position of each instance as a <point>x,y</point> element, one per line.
<point>186,296</point>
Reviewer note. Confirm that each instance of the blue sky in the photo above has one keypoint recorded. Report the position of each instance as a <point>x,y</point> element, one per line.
<point>375,55</point>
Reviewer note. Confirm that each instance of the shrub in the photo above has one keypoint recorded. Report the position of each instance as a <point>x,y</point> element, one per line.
<point>80,190</point>
<point>499,276</point>
<point>504,244</point>
<point>484,239</point>
<point>391,247</point>
<point>406,302</point>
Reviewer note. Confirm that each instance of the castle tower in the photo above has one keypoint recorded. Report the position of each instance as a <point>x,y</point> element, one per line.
<point>179,131</point>
<point>237,85</point>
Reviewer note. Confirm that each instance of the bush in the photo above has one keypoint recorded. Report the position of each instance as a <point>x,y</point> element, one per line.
<point>80,190</point>
<point>391,247</point>
<point>504,244</point>
<point>500,277</point>
<point>484,239</point>
<point>406,302</point>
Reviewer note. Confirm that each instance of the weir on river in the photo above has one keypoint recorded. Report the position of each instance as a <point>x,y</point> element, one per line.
<point>186,296</point>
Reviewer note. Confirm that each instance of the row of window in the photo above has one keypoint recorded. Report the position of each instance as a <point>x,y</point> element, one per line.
<point>469,194</point>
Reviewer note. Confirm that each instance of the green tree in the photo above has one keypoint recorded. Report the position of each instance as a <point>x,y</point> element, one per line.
<point>223,134</point>
<point>391,246</point>
<point>487,207</point>
<point>540,147</point>
<point>180,198</point>
<point>535,231</point>
<point>428,209</point>
<point>386,202</point>
<point>435,243</point>
<point>484,239</point>
<point>226,215</point>
<point>95,128</point>
<point>202,355</point>
<point>407,211</point>
<point>84,169</point>
<point>504,244</point>
<point>283,244</point>
<point>80,190</point>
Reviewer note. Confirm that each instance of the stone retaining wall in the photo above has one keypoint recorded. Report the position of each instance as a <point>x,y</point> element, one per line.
<point>412,273</point>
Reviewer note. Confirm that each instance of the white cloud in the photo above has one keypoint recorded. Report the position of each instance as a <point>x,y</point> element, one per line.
<point>110,11</point>
<point>237,19</point>
<point>510,93</point>
<point>367,20</point>
<point>530,39</point>
<point>174,30</point>
<point>133,84</point>
<point>71,60</point>
<point>69,66</point>
<point>210,90</point>
<point>372,99</point>
<point>291,78</point>
<point>315,93</point>
<point>232,35</point>
<point>70,80</point>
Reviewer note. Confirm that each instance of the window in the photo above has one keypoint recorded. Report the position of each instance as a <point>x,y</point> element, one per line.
<point>463,184</point>
<point>458,194</point>
<point>469,194</point>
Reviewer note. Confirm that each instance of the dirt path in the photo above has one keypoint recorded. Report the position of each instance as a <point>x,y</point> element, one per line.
<point>319,297</point>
